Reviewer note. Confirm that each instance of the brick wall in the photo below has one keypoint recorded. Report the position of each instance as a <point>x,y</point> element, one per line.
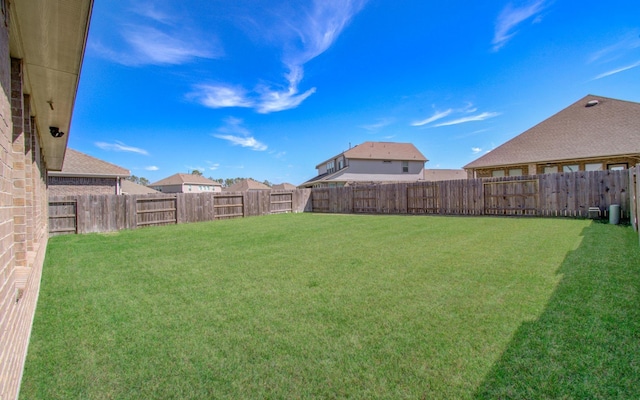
<point>70,186</point>
<point>23,220</point>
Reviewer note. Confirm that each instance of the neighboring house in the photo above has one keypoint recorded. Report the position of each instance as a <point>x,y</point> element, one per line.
<point>129,187</point>
<point>595,133</point>
<point>186,183</point>
<point>283,186</point>
<point>371,162</point>
<point>246,185</point>
<point>42,44</point>
<point>434,175</point>
<point>83,174</point>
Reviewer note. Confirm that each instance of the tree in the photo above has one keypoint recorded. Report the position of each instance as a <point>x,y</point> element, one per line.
<point>266,182</point>
<point>139,180</point>
<point>196,172</point>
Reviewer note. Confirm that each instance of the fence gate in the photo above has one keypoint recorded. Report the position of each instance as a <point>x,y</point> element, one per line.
<point>320,200</point>
<point>365,200</point>
<point>228,206</point>
<point>422,199</point>
<point>281,202</point>
<point>63,217</point>
<point>519,197</point>
<point>156,211</point>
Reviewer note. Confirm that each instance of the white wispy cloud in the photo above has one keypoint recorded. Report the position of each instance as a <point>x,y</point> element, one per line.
<point>155,37</point>
<point>617,70</point>
<point>151,168</point>
<point>238,135</point>
<point>511,17</point>
<point>150,10</point>
<point>318,28</point>
<point>278,154</point>
<point>220,96</point>
<point>382,122</point>
<point>275,100</point>
<point>213,166</point>
<point>153,46</point>
<point>250,142</point>
<point>438,115</point>
<point>478,117</point>
<point>119,146</point>
<point>303,35</point>
<point>476,150</point>
<point>628,42</point>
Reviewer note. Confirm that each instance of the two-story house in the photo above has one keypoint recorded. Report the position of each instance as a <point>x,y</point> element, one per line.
<point>186,183</point>
<point>368,163</point>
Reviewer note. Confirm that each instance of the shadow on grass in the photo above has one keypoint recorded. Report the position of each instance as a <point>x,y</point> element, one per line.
<point>586,343</point>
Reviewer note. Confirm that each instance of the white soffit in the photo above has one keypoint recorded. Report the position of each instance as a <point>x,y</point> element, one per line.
<point>50,37</point>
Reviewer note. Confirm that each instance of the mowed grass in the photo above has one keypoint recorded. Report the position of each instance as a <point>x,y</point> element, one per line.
<point>340,306</point>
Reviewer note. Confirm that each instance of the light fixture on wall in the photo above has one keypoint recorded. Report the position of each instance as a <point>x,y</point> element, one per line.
<point>55,132</point>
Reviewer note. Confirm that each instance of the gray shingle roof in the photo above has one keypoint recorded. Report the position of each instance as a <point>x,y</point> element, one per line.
<point>80,164</point>
<point>179,179</point>
<point>129,187</point>
<point>609,128</point>
<point>283,186</point>
<point>382,151</point>
<point>434,175</point>
<point>245,185</point>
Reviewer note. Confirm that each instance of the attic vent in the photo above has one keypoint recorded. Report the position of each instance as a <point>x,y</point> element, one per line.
<point>592,103</point>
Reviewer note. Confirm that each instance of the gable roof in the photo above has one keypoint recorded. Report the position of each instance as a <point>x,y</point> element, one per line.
<point>434,175</point>
<point>80,164</point>
<point>610,127</point>
<point>382,151</point>
<point>245,185</point>
<point>129,187</point>
<point>385,151</point>
<point>179,179</point>
<point>283,186</point>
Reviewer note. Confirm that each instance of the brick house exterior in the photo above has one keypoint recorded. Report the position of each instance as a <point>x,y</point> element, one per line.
<point>595,133</point>
<point>41,47</point>
<point>83,174</point>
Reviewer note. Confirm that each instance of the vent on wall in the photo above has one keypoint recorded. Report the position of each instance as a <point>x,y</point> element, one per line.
<point>592,103</point>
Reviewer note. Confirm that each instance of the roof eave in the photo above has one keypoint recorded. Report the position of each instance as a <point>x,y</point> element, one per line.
<point>87,175</point>
<point>561,160</point>
<point>50,38</point>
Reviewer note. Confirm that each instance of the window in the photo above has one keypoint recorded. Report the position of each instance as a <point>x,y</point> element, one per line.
<point>515,172</point>
<point>617,167</point>
<point>551,170</point>
<point>570,168</point>
<point>331,165</point>
<point>405,166</point>
<point>340,163</point>
<point>497,173</point>
<point>593,167</point>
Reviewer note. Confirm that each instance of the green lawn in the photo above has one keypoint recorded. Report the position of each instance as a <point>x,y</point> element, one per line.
<point>341,306</point>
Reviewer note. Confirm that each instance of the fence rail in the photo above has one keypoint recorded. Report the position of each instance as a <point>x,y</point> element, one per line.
<point>634,193</point>
<point>558,195</point>
<point>108,213</point>
<point>563,194</point>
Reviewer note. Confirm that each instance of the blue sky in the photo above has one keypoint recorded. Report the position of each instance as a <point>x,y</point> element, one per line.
<point>269,89</point>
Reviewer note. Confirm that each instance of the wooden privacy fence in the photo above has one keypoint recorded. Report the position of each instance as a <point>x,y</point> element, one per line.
<point>108,213</point>
<point>563,194</point>
<point>634,194</point>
